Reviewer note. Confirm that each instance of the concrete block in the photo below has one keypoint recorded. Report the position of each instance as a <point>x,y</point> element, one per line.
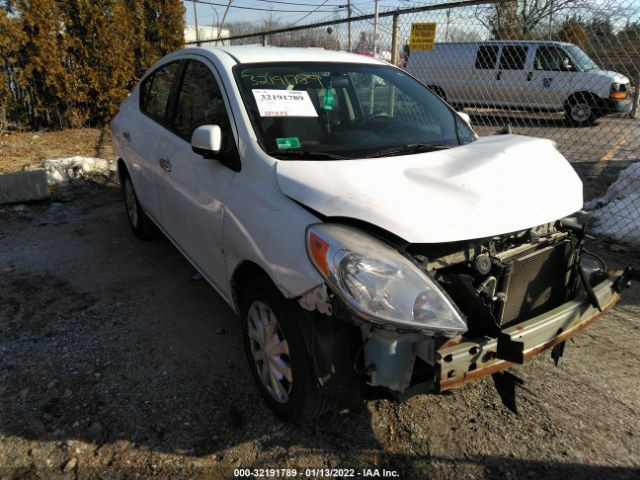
<point>23,186</point>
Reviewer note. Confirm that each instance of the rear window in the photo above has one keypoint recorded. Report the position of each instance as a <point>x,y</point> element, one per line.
<point>487,57</point>
<point>513,57</point>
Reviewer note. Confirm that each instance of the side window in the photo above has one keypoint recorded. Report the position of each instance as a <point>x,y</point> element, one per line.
<point>513,57</point>
<point>199,102</point>
<point>549,59</point>
<point>156,89</point>
<point>487,57</point>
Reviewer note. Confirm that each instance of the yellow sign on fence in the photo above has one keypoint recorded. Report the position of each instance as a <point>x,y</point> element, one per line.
<point>423,36</point>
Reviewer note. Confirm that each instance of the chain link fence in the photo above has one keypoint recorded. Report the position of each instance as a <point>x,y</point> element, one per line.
<point>567,70</point>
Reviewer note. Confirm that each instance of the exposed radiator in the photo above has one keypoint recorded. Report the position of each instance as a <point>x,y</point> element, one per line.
<point>537,282</point>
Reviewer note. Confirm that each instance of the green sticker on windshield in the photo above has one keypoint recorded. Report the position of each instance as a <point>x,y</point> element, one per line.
<point>287,142</point>
<point>329,100</point>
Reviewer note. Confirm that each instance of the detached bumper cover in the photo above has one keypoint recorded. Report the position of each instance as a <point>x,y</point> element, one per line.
<point>460,361</point>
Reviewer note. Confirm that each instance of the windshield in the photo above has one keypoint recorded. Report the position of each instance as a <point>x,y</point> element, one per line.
<point>582,59</point>
<point>327,111</point>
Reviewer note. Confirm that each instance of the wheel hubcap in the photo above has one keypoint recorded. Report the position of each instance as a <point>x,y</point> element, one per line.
<point>581,112</point>
<point>270,351</point>
<point>132,204</point>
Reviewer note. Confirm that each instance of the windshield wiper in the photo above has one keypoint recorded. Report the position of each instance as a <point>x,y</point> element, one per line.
<point>410,148</point>
<point>303,154</point>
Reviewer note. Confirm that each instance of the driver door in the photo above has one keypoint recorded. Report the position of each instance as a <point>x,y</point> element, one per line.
<point>552,78</point>
<point>194,190</point>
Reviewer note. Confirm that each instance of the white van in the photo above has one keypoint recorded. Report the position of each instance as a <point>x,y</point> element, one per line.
<point>536,75</point>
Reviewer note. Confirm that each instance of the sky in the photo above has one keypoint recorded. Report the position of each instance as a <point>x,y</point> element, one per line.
<point>290,11</point>
<point>455,26</point>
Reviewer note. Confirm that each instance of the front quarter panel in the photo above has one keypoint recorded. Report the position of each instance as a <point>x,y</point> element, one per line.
<point>267,228</point>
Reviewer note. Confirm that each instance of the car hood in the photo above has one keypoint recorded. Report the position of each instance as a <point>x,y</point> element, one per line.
<point>614,76</point>
<point>495,185</point>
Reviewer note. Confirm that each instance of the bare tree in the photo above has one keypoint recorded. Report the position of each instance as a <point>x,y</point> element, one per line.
<point>523,18</point>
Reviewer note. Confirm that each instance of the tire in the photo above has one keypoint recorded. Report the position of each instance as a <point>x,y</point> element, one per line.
<point>288,383</point>
<point>142,226</point>
<point>581,110</point>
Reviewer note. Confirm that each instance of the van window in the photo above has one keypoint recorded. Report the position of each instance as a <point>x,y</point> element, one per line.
<point>513,57</point>
<point>156,89</point>
<point>549,59</point>
<point>487,57</point>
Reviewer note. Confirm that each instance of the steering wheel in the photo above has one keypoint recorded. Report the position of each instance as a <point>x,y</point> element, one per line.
<point>372,116</point>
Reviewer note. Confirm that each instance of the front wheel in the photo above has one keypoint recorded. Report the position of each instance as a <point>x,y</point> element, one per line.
<point>581,111</point>
<point>277,354</point>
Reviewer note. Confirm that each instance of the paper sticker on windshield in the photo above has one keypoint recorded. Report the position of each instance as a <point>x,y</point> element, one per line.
<point>287,142</point>
<point>284,103</point>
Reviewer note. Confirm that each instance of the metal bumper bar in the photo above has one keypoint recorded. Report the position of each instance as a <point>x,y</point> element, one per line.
<point>460,360</point>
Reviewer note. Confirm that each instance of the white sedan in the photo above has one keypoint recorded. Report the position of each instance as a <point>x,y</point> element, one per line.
<point>367,238</point>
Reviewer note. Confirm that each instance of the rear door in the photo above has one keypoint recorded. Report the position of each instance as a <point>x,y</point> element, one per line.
<point>511,85</point>
<point>482,88</point>
<point>193,190</point>
<point>141,138</point>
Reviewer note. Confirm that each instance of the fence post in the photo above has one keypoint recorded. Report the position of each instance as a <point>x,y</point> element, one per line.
<point>394,60</point>
<point>394,40</point>
<point>636,99</point>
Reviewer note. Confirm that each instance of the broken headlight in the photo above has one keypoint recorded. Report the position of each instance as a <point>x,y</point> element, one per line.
<point>379,283</point>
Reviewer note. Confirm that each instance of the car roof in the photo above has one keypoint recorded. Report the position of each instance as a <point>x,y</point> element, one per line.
<point>259,54</point>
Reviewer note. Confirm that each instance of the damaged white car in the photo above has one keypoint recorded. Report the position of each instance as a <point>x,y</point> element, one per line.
<point>368,239</point>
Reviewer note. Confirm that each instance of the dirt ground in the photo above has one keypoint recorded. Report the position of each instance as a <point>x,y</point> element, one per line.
<point>116,363</point>
<point>28,149</point>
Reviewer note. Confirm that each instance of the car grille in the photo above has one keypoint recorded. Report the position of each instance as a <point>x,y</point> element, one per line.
<point>536,282</point>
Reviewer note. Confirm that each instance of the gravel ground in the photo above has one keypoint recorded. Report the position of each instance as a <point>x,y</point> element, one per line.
<point>115,362</point>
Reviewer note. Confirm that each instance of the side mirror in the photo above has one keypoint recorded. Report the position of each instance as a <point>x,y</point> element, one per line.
<point>207,141</point>
<point>566,65</point>
<point>465,116</point>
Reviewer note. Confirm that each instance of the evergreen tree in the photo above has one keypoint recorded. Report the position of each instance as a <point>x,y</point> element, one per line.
<point>69,63</point>
<point>572,31</point>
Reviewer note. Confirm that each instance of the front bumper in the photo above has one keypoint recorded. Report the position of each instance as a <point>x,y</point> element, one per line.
<point>460,360</point>
<point>613,105</point>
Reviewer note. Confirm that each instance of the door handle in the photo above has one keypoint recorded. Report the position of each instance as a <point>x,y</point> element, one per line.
<point>529,76</point>
<point>126,136</point>
<point>499,75</point>
<point>165,164</point>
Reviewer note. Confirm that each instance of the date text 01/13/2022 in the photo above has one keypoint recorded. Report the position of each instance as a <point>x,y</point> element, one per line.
<point>315,473</point>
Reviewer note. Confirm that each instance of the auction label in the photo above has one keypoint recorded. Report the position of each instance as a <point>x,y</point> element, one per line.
<point>315,473</point>
<point>284,103</point>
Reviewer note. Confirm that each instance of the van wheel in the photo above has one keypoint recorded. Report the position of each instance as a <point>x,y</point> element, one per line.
<point>277,354</point>
<point>580,110</point>
<point>142,226</point>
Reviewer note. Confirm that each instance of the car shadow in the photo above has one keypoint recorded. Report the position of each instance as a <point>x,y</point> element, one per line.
<point>117,344</point>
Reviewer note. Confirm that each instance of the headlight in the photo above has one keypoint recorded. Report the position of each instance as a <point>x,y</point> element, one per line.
<point>379,283</point>
<point>618,90</point>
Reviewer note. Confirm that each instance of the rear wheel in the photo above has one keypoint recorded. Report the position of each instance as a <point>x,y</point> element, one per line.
<point>277,354</point>
<point>581,110</point>
<point>142,226</point>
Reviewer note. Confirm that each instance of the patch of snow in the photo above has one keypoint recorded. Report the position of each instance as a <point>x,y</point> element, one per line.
<point>617,213</point>
<point>64,170</point>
